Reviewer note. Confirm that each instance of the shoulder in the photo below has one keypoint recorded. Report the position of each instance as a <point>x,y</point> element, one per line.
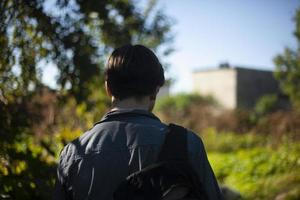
<point>70,153</point>
<point>195,143</point>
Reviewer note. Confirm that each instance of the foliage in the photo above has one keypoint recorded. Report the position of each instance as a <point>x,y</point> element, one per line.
<point>279,124</point>
<point>28,151</point>
<point>201,112</point>
<point>253,166</point>
<point>181,102</point>
<point>266,104</point>
<point>72,35</point>
<point>28,172</point>
<point>225,142</point>
<point>28,169</point>
<point>261,164</point>
<point>182,109</point>
<point>288,68</point>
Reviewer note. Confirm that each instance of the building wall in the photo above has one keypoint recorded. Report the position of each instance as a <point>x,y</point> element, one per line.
<point>220,84</point>
<point>235,87</point>
<point>253,84</point>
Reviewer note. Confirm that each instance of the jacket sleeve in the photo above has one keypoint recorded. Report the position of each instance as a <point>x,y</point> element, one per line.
<point>62,167</point>
<point>59,192</point>
<point>200,163</point>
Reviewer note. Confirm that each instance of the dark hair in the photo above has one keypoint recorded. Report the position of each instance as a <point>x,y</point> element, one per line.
<point>133,71</point>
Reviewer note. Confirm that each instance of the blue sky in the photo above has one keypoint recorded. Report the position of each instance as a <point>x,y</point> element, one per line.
<point>247,33</point>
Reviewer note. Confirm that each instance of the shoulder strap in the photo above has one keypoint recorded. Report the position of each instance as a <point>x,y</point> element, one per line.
<point>175,144</point>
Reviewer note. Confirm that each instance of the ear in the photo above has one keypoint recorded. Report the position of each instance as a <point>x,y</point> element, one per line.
<point>108,91</point>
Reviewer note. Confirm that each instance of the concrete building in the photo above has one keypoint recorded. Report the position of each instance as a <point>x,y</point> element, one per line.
<point>235,87</point>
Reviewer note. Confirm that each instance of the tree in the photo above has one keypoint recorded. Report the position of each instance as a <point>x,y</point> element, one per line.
<point>72,35</point>
<point>288,68</point>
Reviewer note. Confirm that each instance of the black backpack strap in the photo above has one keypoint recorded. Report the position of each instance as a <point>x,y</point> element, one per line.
<point>175,144</point>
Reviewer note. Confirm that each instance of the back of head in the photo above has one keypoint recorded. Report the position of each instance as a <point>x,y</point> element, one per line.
<point>133,71</point>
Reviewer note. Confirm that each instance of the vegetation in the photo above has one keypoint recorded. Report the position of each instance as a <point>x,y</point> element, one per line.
<point>75,37</point>
<point>288,68</point>
<point>252,165</point>
<point>180,109</point>
<point>257,158</point>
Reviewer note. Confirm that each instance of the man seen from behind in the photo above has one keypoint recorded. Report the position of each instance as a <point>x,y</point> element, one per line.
<point>129,137</point>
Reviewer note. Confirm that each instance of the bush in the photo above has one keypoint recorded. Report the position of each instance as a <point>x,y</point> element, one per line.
<point>28,162</point>
<point>190,110</point>
<point>28,166</point>
<point>227,142</point>
<point>249,164</point>
<point>27,169</point>
<point>181,102</point>
<point>266,104</point>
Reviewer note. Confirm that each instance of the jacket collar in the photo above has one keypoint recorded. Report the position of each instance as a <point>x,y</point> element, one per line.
<point>116,114</point>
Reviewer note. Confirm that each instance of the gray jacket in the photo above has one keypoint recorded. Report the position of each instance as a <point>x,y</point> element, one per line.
<point>123,142</point>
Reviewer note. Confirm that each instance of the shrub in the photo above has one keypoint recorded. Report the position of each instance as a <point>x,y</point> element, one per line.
<point>229,141</point>
<point>266,104</point>
<point>190,110</point>
<point>253,167</point>
<point>181,102</point>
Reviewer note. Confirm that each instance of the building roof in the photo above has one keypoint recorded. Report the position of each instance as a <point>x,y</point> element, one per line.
<point>213,69</point>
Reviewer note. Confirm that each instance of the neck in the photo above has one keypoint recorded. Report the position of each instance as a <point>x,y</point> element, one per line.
<point>143,103</point>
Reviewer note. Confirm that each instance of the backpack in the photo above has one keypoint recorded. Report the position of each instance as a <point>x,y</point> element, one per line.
<point>171,177</point>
